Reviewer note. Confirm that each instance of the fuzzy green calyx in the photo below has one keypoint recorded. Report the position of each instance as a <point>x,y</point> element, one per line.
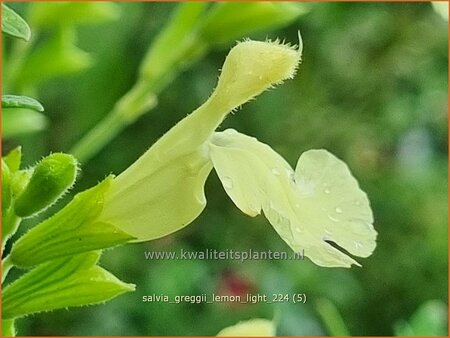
<point>51,178</point>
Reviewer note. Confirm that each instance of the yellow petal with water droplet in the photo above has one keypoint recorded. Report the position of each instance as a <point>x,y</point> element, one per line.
<point>320,202</point>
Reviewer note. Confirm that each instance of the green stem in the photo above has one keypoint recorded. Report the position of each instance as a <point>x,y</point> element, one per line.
<point>136,102</point>
<point>175,48</point>
<point>17,59</point>
<point>331,318</point>
<point>6,266</point>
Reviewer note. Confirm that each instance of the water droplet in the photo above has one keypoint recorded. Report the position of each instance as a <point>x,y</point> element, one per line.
<point>327,191</point>
<point>369,226</point>
<point>227,182</point>
<point>254,208</point>
<point>298,229</point>
<point>338,210</point>
<point>290,174</point>
<point>231,131</point>
<point>333,218</point>
<point>358,245</point>
<point>275,171</point>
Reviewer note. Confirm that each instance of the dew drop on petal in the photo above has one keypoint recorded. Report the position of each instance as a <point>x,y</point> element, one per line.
<point>290,174</point>
<point>254,208</point>
<point>358,245</point>
<point>231,132</point>
<point>306,186</point>
<point>326,191</point>
<point>227,182</point>
<point>338,210</point>
<point>333,218</point>
<point>298,229</point>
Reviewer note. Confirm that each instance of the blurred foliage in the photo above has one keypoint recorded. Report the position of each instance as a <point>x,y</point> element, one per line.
<point>372,89</point>
<point>429,320</point>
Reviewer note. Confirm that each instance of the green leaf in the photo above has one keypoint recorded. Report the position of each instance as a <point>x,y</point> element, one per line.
<point>65,282</point>
<point>6,187</point>
<point>13,159</point>
<point>51,178</point>
<point>14,25</point>
<point>229,21</point>
<point>51,14</point>
<point>8,329</point>
<point>15,101</point>
<point>74,229</point>
<point>19,121</point>
<point>20,180</point>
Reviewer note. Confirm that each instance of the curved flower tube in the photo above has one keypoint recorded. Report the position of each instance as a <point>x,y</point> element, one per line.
<point>318,203</point>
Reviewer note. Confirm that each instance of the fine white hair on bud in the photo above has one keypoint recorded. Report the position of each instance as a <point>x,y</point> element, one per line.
<point>252,67</point>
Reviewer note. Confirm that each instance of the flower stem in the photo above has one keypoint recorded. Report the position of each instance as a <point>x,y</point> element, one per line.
<point>332,319</point>
<point>136,102</point>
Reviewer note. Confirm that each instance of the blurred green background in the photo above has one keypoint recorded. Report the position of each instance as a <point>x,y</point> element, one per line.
<point>372,89</point>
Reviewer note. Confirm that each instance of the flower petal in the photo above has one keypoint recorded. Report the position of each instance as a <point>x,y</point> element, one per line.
<point>319,203</point>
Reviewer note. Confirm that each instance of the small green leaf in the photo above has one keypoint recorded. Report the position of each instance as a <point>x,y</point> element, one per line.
<point>13,159</point>
<point>74,229</point>
<point>20,180</point>
<point>16,101</point>
<point>51,178</point>
<point>6,187</point>
<point>14,25</point>
<point>19,121</point>
<point>65,282</point>
<point>8,329</point>
<point>228,21</point>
